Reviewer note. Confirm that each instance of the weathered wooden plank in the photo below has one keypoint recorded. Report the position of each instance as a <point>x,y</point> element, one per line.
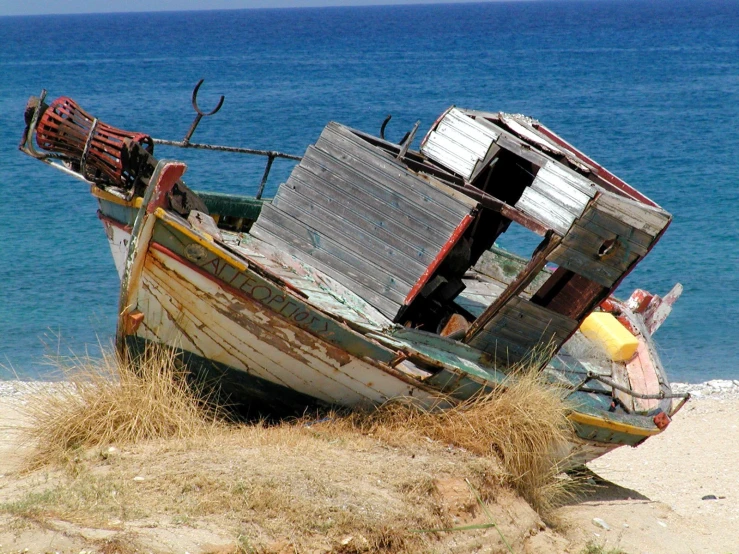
<point>529,322</point>
<point>293,245</point>
<point>315,284</point>
<point>346,234</point>
<point>418,193</point>
<point>502,352</point>
<point>543,209</point>
<point>598,221</point>
<point>450,154</point>
<point>586,265</point>
<point>591,239</point>
<point>537,316</point>
<point>340,177</point>
<point>383,226</point>
<point>458,143</point>
<point>553,198</point>
<point>336,261</point>
<point>562,181</point>
<point>640,216</point>
<point>348,147</point>
<point>524,335</point>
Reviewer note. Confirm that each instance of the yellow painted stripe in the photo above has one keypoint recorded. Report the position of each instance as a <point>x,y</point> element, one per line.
<point>105,195</point>
<point>586,419</point>
<point>160,213</point>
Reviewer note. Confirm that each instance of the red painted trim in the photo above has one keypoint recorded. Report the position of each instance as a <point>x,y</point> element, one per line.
<point>169,176</point>
<point>114,222</point>
<point>434,265</point>
<point>606,175</point>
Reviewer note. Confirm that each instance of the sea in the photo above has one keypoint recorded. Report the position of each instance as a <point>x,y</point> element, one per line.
<point>650,89</point>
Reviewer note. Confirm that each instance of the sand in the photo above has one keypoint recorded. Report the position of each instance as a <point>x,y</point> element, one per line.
<point>650,498</point>
<point>653,496</point>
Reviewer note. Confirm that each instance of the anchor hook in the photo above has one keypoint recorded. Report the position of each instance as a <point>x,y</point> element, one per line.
<point>195,101</point>
<point>384,125</point>
<point>199,113</point>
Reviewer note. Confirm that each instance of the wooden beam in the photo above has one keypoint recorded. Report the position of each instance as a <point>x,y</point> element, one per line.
<point>522,280</point>
<point>494,204</point>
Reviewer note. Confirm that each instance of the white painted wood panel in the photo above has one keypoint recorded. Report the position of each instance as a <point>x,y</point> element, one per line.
<point>556,197</point>
<point>189,310</point>
<point>458,142</point>
<point>118,240</point>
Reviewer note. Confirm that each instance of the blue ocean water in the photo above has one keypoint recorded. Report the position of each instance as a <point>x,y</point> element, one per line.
<point>650,89</point>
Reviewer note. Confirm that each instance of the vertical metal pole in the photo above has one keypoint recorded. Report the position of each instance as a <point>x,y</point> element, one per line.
<point>265,176</point>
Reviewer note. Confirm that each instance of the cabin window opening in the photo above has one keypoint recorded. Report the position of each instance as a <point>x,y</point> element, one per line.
<point>519,240</point>
<point>607,248</point>
<point>506,177</point>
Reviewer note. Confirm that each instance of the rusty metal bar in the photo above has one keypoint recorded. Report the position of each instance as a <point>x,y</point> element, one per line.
<point>265,176</point>
<point>234,149</point>
<point>611,383</point>
<point>200,114</point>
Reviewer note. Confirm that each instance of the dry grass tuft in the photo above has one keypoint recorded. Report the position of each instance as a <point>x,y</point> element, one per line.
<point>521,424</point>
<point>111,401</point>
<point>345,482</point>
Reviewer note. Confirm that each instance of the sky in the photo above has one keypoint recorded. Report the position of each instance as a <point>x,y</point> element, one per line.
<point>37,7</point>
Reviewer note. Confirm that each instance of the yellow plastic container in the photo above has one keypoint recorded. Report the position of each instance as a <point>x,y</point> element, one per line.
<point>606,331</point>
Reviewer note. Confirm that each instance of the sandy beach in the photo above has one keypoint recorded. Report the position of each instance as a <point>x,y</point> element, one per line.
<point>676,493</point>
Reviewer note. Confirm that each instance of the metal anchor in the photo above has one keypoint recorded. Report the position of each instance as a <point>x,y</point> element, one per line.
<point>200,113</point>
<point>405,142</point>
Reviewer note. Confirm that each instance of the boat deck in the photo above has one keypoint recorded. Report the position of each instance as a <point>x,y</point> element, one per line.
<point>568,368</point>
<point>320,290</point>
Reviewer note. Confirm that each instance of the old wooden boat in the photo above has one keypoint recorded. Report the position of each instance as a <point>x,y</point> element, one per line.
<point>374,272</point>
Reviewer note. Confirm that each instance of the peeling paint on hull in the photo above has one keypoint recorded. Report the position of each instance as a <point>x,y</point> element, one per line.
<point>185,309</point>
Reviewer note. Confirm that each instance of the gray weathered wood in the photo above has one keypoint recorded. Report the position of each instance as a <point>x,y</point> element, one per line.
<point>334,259</point>
<point>388,172</point>
<point>635,214</point>
<point>594,216</point>
<point>591,238</point>
<point>556,197</point>
<point>337,178</point>
<point>341,226</point>
<point>458,143</point>
<point>352,211</point>
<point>587,265</point>
<point>521,327</point>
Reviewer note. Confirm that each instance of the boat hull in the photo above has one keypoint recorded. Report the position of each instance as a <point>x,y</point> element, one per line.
<point>267,353</point>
